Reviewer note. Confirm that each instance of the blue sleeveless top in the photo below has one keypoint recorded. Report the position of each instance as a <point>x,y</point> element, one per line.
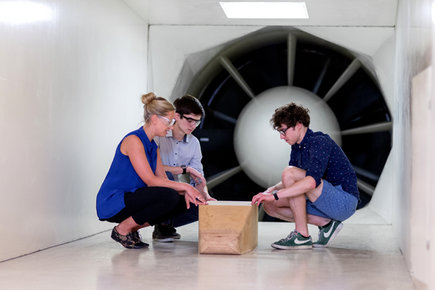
<point>122,178</point>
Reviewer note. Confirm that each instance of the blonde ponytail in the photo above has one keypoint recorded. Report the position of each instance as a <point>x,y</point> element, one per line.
<point>154,105</point>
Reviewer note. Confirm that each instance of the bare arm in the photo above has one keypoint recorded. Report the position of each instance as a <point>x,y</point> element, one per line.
<point>173,169</point>
<point>277,186</point>
<point>199,179</point>
<point>204,192</point>
<point>300,187</point>
<point>133,148</point>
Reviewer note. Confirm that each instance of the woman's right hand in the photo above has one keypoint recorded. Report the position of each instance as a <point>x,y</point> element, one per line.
<point>192,195</point>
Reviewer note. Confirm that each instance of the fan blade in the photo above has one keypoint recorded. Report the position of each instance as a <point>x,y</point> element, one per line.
<point>228,65</point>
<point>380,127</point>
<point>222,116</point>
<point>291,48</point>
<point>348,73</point>
<point>221,177</point>
<point>366,187</point>
<point>321,76</point>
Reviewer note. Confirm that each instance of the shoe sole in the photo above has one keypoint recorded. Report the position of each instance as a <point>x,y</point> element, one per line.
<point>291,247</point>
<point>165,240</point>
<point>139,247</point>
<point>142,245</point>
<point>337,230</point>
<point>136,246</point>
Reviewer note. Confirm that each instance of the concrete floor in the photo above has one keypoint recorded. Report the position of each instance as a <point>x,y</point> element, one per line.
<point>361,257</point>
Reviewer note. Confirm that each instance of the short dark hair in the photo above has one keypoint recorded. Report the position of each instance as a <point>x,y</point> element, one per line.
<point>188,104</point>
<point>290,115</point>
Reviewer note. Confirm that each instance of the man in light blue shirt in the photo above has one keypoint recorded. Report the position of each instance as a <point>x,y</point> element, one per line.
<point>180,152</point>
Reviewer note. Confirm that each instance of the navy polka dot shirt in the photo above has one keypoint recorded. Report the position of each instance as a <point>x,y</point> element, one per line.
<point>321,158</point>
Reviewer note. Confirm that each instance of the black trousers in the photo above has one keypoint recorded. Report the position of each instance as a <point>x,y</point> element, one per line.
<point>152,205</point>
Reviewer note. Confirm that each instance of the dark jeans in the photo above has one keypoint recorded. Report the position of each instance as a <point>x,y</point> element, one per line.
<point>152,205</point>
<point>189,216</point>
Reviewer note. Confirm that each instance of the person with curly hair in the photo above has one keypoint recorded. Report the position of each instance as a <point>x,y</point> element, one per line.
<point>319,186</point>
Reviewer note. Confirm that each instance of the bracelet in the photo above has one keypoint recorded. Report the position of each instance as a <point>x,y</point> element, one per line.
<point>274,193</point>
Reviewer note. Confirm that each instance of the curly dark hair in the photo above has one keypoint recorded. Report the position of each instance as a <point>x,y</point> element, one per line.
<point>290,115</point>
<point>188,104</point>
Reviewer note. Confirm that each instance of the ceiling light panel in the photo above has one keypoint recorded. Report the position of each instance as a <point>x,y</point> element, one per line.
<point>265,10</point>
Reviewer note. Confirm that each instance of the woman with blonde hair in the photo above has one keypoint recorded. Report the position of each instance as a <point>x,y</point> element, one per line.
<point>136,192</point>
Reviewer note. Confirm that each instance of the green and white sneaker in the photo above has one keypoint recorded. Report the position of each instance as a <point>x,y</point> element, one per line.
<point>327,234</point>
<point>294,241</point>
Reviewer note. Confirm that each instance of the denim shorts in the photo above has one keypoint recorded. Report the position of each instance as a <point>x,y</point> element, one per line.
<point>333,203</point>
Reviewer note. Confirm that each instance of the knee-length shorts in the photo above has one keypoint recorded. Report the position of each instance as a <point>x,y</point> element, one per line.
<point>333,203</point>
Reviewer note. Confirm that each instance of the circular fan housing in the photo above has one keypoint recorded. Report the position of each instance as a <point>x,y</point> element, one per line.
<point>237,86</point>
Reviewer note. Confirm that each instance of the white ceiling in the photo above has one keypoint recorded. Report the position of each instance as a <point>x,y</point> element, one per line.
<point>325,13</point>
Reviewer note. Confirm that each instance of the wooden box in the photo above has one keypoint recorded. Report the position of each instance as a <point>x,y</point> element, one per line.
<point>228,227</point>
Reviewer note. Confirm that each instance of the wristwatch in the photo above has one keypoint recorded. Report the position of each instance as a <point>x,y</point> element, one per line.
<point>184,169</point>
<point>274,194</point>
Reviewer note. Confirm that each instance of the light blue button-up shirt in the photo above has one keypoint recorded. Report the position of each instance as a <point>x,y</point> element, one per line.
<point>176,153</point>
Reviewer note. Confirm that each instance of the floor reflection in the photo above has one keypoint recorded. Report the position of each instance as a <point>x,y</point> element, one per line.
<point>361,257</point>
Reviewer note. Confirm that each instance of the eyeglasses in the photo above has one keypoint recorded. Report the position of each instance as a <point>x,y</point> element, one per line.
<point>190,120</point>
<point>282,132</point>
<point>169,122</point>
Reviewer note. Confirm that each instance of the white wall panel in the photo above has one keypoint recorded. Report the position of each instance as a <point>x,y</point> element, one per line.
<point>422,99</point>
<point>414,45</point>
<point>69,90</point>
<point>385,68</point>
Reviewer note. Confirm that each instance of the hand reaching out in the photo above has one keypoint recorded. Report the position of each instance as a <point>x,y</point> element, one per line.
<point>262,197</point>
<point>192,195</point>
<point>199,179</point>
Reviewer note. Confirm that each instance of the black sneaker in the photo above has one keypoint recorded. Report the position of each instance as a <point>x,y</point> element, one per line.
<point>137,238</point>
<point>128,241</point>
<point>163,233</point>
<point>173,231</point>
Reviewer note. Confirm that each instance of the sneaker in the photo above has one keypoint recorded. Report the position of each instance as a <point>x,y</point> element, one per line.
<point>294,241</point>
<point>128,241</point>
<point>137,238</point>
<point>170,228</point>
<point>162,234</point>
<point>176,235</point>
<point>327,234</point>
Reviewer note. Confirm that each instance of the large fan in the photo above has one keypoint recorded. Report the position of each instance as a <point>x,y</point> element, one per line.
<point>246,81</point>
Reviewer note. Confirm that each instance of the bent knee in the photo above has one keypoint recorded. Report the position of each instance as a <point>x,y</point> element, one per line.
<point>291,175</point>
<point>270,208</point>
<point>170,196</point>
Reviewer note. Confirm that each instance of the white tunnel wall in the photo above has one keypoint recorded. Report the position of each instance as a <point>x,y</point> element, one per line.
<point>415,30</point>
<point>384,63</point>
<point>70,89</point>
